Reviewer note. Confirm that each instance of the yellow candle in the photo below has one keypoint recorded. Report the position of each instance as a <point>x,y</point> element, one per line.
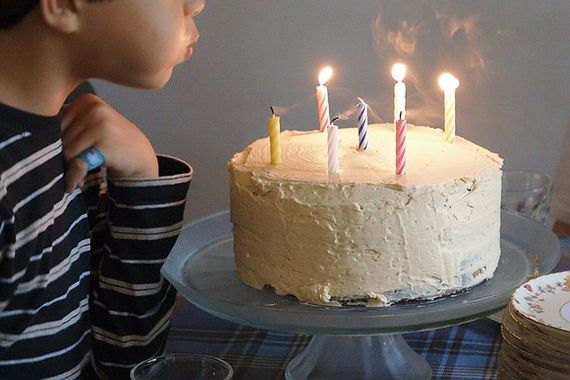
<point>274,128</point>
<point>448,84</point>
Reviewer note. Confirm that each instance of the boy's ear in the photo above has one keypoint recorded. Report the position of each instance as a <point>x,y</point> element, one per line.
<point>61,15</point>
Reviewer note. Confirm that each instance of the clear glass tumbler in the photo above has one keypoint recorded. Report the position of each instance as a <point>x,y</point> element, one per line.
<point>183,366</point>
<point>527,193</point>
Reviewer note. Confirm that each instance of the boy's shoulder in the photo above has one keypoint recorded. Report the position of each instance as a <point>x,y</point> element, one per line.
<point>26,141</point>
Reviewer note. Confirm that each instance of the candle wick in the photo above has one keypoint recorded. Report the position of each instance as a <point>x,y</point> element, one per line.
<point>272,110</point>
<point>400,115</point>
<point>335,119</point>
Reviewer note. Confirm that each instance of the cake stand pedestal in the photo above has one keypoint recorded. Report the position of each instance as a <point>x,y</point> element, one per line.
<point>349,342</point>
<point>358,357</point>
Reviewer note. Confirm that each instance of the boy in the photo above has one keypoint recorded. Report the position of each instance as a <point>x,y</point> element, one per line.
<point>81,294</point>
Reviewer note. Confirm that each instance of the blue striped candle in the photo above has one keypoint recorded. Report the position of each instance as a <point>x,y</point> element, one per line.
<point>362,122</point>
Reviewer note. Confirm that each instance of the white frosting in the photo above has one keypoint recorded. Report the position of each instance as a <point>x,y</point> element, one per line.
<point>366,234</point>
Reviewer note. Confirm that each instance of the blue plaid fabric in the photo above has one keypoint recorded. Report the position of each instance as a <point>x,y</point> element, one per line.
<point>467,351</point>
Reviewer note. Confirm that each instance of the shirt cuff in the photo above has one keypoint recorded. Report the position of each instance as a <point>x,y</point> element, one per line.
<point>171,185</point>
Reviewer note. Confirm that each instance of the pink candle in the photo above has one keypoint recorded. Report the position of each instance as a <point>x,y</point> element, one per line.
<point>401,146</point>
<point>332,145</point>
<point>323,99</point>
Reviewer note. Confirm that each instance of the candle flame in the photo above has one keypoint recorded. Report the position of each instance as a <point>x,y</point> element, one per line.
<point>399,72</point>
<point>448,82</point>
<point>325,74</point>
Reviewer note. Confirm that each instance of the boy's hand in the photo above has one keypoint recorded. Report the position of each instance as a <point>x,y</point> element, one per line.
<point>89,121</point>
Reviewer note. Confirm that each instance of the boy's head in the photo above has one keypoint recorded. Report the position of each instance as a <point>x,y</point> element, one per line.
<point>131,42</point>
<point>12,11</point>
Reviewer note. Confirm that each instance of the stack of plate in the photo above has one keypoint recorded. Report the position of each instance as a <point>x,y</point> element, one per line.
<point>536,330</point>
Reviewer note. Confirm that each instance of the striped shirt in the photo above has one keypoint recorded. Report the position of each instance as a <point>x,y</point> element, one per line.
<point>80,285</point>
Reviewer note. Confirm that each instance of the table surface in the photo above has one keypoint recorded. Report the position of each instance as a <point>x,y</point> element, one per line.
<point>467,351</point>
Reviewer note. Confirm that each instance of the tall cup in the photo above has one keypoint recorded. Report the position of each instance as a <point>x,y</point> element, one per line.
<point>527,193</point>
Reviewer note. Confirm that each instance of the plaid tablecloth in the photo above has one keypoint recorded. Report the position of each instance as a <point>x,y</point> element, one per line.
<point>467,351</point>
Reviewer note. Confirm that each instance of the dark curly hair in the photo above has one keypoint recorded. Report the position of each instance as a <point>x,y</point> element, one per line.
<point>13,11</point>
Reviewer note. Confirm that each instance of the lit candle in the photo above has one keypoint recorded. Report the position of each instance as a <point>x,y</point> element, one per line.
<point>448,84</point>
<point>323,98</point>
<point>362,122</point>
<point>401,146</point>
<point>399,73</point>
<point>332,139</point>
<point>274,128</point>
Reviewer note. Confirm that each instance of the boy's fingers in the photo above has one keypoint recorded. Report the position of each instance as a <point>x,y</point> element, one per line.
<point>73,146</point>
<point>75,173</point>
<point>70,112</point>
<point>71,127</point>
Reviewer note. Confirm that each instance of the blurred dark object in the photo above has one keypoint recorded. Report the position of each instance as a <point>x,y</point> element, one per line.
<point>560,207</point>
<point>561,229</point>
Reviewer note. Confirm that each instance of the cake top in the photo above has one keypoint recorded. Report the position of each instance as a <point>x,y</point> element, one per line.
<point>430,160</point>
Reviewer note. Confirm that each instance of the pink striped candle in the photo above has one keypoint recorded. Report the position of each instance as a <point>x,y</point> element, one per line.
<point>401,146</point>
<point>332,142</point>
<point>323,98</point>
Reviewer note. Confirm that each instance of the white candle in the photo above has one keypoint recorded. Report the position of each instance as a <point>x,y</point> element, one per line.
<point>448,84</point>
<point>323,98</point>
<point>332,141</point>
<point>399,73</point>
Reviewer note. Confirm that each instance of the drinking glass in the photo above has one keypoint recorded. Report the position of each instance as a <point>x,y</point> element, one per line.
<point>527,193</point>
<point>183,366</point>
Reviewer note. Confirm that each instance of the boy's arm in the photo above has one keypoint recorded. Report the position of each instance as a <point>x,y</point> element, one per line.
<point>134,227</point>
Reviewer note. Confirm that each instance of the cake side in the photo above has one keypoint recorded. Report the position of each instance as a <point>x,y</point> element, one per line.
<point>374,239</point>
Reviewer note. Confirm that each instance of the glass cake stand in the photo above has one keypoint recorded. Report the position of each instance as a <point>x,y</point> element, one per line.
<point>349,342</point>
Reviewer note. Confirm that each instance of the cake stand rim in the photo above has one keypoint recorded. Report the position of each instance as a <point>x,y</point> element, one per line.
<point>272,318</point>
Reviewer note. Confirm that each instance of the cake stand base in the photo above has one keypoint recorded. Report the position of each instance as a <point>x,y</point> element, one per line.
<point>334,357</point>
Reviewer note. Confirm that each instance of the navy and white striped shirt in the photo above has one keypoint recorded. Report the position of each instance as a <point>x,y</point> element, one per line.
<point>80,287</point>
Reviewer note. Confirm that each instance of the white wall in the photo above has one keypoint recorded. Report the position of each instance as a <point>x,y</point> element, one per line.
<point>512,57</point>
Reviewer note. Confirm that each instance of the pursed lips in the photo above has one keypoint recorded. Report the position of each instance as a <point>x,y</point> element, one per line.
<point>188,52</point>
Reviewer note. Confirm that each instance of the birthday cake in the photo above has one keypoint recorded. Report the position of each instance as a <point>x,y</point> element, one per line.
<point>366,236</point>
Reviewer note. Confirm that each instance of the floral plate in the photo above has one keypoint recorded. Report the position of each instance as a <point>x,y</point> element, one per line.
<point>546,299</point>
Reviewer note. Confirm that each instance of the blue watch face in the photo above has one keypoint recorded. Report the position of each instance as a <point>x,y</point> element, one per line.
<point>92,157</point>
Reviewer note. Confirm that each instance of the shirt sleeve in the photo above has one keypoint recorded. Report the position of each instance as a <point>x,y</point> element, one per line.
<point>135,223</point>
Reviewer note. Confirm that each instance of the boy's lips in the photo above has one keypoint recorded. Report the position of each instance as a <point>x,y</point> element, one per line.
<point>188,52</point>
